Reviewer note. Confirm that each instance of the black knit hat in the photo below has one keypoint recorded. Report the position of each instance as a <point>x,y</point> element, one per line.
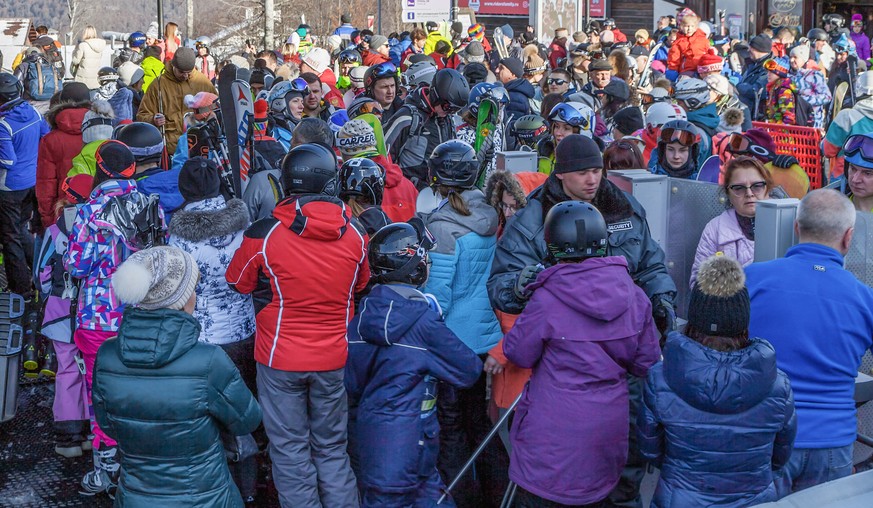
<point>628,120</point>
<point>719,303</point>
<point>514,65</point>
<point>576,153</point>
<point>199,179</point>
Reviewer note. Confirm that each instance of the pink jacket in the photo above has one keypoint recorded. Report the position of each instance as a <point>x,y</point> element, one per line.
<point>723,234</point>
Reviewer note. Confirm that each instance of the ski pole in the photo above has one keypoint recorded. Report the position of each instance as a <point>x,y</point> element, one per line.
<point>509,495</point>
<point>480,449</point>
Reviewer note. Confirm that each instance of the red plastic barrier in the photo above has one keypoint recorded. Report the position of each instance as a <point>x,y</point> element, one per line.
<point>804,143</point>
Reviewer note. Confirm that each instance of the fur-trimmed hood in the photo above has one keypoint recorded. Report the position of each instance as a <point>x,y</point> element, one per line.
<point>212,221</point>
<point>55,123</point>
<point>508,183</point>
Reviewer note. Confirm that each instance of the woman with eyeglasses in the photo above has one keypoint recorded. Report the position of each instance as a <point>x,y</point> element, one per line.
<point>678,150</point>
<point>465,227</point>
<point>732,233</point>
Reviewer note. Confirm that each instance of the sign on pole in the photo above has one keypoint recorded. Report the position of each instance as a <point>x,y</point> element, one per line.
<point>421,11</point>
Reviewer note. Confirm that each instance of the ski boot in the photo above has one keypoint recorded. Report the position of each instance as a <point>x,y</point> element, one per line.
<point>104,477</point>
<point>30,353</point>
<point>49,361</point>
<point>68,445</point>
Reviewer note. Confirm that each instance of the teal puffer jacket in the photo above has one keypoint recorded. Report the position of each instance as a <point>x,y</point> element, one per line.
<point>461,263</point>
<point>164,396</point>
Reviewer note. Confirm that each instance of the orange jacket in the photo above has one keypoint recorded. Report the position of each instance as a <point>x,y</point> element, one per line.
<point>686,51</point>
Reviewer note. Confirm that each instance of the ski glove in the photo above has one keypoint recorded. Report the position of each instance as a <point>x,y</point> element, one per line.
<point>528,274</point>
<point>663,313</point>
<point>784,161</point>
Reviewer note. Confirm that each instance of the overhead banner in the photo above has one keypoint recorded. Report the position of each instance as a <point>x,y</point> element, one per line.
<point>497,7</point>
<point>422,11</point>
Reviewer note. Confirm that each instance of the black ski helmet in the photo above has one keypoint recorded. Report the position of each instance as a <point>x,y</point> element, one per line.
<point>453,163</point>
<point>362,177</point>
<point>10,87</point>
<point>143,139</point>
<point>575,230</point>
<point>348,56</point>
<point>529,130</point>
<point>107,74</point>
<point>448,89</point>
<point>398,253</point>
<point>834,19</point>
<point>817,34</point>
<point>309,169</point>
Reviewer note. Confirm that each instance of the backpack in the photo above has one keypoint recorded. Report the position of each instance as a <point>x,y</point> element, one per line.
<point>803,116</point>
<point>138,218</point>
<point>41,80</point>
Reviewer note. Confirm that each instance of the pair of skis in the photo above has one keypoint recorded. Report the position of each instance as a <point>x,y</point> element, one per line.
<point>237,115</point>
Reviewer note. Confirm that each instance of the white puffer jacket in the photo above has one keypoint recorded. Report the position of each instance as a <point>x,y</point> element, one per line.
<point>211,231</point>
<point>88,59</point>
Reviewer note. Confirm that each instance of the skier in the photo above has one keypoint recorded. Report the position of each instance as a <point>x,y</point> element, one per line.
<point>286,109</point>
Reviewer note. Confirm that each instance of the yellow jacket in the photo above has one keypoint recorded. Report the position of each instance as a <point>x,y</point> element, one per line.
<point>431,42</point>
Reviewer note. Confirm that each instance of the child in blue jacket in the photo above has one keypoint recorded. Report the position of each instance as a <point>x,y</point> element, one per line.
<point>399,348</point>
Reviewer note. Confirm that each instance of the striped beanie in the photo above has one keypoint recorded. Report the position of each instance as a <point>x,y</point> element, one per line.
<point>476,32</point>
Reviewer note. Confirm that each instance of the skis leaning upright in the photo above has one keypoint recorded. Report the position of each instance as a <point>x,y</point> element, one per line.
<point>499,43</point>
<point>237,115</point>
<point>646,73</point>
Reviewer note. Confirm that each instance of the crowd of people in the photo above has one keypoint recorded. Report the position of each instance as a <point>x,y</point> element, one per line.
<point>382,290</point>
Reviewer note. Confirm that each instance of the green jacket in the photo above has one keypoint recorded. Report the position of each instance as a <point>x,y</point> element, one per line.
<point>86,162</point>
<point>151,68</point>
<point>164,397</point>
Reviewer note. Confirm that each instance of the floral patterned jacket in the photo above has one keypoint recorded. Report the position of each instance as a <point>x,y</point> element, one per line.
<point>211,231</point>
<point>813,87</point>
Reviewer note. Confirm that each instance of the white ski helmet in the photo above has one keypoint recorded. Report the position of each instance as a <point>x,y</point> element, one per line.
<point>276,99</point>
<point>864,84</point>
<point>419,73</point>
<point>660,113</point>
<point>693,92</point>
<point>589,116</point>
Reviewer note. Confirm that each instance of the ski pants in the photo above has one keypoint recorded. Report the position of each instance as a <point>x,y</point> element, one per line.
<point>16,211</point>
<point>88,342</point>
<point>306,419</point>
<point>69,406</point>
<point>426,495</point>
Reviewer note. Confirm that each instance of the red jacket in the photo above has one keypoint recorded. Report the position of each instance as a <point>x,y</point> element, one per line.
<point>399,196</point>
<point>315,261</point>
<point>619,36</point>
<point>54,160</point>
<point>371,58</point>
<point>557,51</point>
<point>686,51</point>
<point>332,96</point>
<point>450,62</point>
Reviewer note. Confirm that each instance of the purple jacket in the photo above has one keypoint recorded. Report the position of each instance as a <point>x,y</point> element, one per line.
<point>586,326</point>
<point>723,234</point>
<point>862,45</point>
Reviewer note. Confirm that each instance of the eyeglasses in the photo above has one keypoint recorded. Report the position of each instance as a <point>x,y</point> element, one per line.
<point>757,188</point>
<point>556,81</point>
<point>859,143</point>
<point>508,208</point>
<point>683,137</point>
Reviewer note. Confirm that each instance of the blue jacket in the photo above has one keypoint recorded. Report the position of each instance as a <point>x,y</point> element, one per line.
<point>461,263</point>
<point>520,92</point>
<point>819,318</point>
<point>740,397</point>
<point>21,128</point>
<point>345,30</point>
<point>164,183</point>
<point>398,48</point>
<point>753,83</point>
<point>399,347</point>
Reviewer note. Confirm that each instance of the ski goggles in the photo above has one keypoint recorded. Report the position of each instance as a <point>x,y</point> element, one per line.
<point>567,114</point>
<point>647,99</point>
<point>300,86</point>
<point>683,137</point>
<point>739,144</point>
<point>384,70</point>
<point>556,81</point>
<point>859,144</point>
<point>531,134</point>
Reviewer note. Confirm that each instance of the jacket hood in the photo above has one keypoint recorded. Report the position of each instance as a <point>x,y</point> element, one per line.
<point>315,216</point>
<point>150,339</point>
<point>509,183</point>
<point>521,86</point>
<point>482,219</point>
<point>393,174</point>
<point>864,106</point>
<point>719,382</point>
<point>67,116</point>
<point>707,115</point>
<point>416,99</point>
<point>210,220</point>
<point>96,44</point>
<point>22,112</point>
<point>608,292</point>
<point>388,312</point>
